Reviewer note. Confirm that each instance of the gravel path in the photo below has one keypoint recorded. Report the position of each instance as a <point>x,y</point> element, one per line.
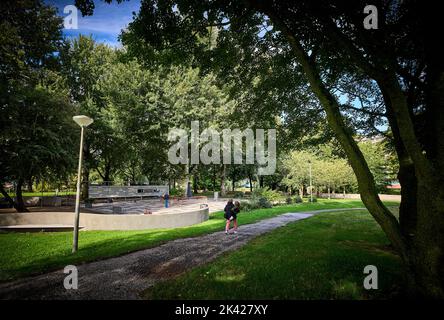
<point>126,276</point>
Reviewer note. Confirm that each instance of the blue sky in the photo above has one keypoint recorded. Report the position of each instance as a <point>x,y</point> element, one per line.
<point>106,22</point>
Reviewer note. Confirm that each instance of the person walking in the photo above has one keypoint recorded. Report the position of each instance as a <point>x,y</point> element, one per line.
<point>166,198</point>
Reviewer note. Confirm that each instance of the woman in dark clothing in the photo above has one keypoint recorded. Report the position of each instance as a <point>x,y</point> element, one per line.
<point>231,212</point>
<point>227,214</point>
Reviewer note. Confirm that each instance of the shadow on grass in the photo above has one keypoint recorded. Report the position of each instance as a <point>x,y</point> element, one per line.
<point>304,260</point>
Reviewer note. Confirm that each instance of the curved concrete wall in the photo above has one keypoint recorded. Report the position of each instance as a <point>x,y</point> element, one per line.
<point>91,221</point>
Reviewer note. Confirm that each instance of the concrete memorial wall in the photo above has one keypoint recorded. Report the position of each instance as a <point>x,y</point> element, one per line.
<point>96,192</point>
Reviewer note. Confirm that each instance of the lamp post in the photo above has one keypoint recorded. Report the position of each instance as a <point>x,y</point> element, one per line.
<point>311,187</point>
<point>83,122</point>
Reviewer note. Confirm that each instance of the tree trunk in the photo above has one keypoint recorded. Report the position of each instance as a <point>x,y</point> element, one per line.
<point>20,203</point>
<point>84,186</point>
<point>214,178</point>
<point>29,184</point>
<point>250,182</point>
<point>7,196</point>
<point>222,181</point>
<point>107,174</point>
<point>420,218</point>
<point>84,190</point>
<point>195,182</point>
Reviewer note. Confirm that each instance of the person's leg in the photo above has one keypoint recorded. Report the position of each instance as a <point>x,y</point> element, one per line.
<point>235,225</point>
<point>227,226</point>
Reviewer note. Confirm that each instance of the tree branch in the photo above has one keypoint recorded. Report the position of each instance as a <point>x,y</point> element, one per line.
<point>370,113</point>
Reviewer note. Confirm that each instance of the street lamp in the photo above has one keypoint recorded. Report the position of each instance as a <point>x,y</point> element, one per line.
<point>311,187</point>
<point>83,122</point>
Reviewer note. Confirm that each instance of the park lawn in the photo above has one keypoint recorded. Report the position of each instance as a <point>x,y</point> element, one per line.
<point>321,257</point>
<point>25,254</point>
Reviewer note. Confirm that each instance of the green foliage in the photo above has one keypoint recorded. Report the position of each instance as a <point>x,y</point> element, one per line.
<point>39,136</point>
<point>30,33</point>
<point>289,200</point>
<point>381,161</point>
<point>264,202</point>
<point>267,194</point>
<point>249,205</point>
<point>36,136</point>
<point>327,171</point>
<point>85,65</point>
<point>177,192</point>
<point>255,203</point>
<point>297,199</point>
<point>239,195</point>
<point>144,104</point>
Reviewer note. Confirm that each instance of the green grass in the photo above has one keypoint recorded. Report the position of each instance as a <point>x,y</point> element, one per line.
<point>24,254</point>
<point>322,257</point>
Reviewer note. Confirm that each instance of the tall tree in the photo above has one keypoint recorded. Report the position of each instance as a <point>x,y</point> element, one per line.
<point>36,138</point>
<point>84,62</point>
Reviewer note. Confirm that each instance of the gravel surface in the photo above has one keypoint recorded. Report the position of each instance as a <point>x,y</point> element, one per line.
<point>125,277</point>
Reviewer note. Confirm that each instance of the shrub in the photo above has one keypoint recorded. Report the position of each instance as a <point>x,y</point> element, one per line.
<point>312,200</point>
<point>297,199</point>
<point>289,200</point>
<point>253,204</point>
<point>264,203</point>
<point>177,192</point>
<point>267,193</point>
<point>239,194</point>
<point>249,205</point>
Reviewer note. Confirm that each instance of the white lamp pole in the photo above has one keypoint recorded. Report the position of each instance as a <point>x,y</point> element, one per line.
<point>82,121</point>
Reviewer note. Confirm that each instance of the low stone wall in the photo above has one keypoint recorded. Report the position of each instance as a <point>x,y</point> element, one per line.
<point>91,221</point>
<point>49,201</point>
<point>383,197</point>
